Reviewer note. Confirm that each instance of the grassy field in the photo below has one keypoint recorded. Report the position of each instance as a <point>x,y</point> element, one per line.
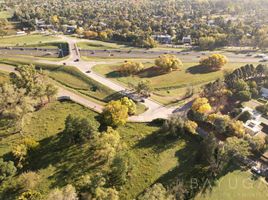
<point>95,44</point>
<point>237,185</point>
<point>4,78</point>
<point>150,157</point>
<point>26,40</point>
<point>167,87</point>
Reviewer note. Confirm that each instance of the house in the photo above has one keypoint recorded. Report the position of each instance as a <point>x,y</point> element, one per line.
<point>163,39</point>
<point>256,124</point>
<point>187,40</point>
<point>264,92</point>
<point>70,29</point>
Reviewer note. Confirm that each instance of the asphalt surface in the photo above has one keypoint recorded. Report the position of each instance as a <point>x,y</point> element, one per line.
<point>155,110</point>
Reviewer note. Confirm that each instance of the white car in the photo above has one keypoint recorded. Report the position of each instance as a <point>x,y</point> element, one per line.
<point>265,59</point>
<point>256,170</point>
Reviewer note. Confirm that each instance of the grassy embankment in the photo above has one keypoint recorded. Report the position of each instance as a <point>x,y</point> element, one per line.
<point>150,157</point>
<point>168,87</point>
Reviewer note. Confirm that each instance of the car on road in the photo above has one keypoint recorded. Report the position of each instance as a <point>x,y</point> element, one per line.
<point>76,60</point>
<point>64,63</point>
<point>88,71</point>
<point>264,59</point>
<point>256,170</point>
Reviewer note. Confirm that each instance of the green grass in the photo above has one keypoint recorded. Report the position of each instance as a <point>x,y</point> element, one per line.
<point>167,87</point>
<point>5,14</point>
<point>4,78</point>
<point>26,40</point>
<point>95,44</point>
<point>150,157</point>
<point>54,158</point>
<point>237,185</point>
<point>72,78</point>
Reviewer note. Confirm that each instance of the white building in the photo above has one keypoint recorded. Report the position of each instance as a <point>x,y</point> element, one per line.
<point>253,126</point>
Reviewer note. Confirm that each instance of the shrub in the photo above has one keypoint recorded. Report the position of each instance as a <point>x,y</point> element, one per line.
<point>130,68</point>
<point>168,63</point>
<point>214,62</point>
<point>245,116</point>
<point>7,169</point>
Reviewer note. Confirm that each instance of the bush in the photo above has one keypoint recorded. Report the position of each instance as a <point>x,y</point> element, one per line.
<point>77,130</point>
<point>245,116</point>
<point>168,63</point>
<point>263,109</point>
<point>243,95</point>
<point>214,62</point>
<point>130,68</point>
<point>7,169</point>
<point>29,180</point>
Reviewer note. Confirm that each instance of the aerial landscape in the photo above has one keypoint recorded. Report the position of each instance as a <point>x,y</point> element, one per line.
<point>134,99</point>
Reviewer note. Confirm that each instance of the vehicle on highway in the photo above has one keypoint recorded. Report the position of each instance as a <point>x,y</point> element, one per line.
<point>265,59</point>
<point>76,60</point>
<point>88,71</point>
<point>260,56</point>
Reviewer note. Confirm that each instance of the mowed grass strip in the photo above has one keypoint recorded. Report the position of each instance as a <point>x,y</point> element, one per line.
<point>26,40</point>
<point>99,45</point>
<point>237,185</point>
<point>167,86</point>
<point>73,78</point>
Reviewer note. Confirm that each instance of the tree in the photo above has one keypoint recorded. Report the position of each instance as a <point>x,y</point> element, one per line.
<point>30,195</point>
<point>102,193</point>
<point>168,63</point>
<point>214,62</point>
<point>29,180</point>
<point>243,95</point>
<point>51,91</point>
<point>66,193</point>
<point>190,126</point>
<point>156,192</point>
<point>207,42</point>
<point>173,126</point>
<point>77,130</point>
<point>106,145</point>
<point>213,154</point>
<point>201,105</point>
<point>132,109</point>
<point>115,113</point>
<point>130,68</point>
<point>236,128</point>
<point>118,173</point>
<point>144,88</point>
<point>20,153</point>
<point>237,147</point>
<point>220,122</point>
<point>7,169</point>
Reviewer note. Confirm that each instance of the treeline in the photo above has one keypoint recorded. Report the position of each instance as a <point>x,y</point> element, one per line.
<point>135,22</point>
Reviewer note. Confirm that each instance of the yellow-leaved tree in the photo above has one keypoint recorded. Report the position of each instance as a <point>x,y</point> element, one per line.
<point>214,62</point>
<point>168,63</point>
<point>201,105</point>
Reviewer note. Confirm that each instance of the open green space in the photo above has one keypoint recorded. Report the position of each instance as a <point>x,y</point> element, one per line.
<point>237,185</point>
<point>168,87</point>
<point>95,44</point>
<point>26,40</point>
<point>150,157</point>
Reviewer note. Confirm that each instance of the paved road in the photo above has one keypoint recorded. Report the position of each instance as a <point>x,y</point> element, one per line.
<point>64,93</point>
<point>155,110</point>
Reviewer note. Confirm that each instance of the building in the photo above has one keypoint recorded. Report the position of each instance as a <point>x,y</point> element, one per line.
<point>163,39</point>
<point>187,40</point>
<point>264,92</point>
<point>21,33</point>
<point>70,29</point>
<point>256,124</point>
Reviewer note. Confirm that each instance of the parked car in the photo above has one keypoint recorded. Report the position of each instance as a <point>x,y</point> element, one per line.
<point>256,170</point>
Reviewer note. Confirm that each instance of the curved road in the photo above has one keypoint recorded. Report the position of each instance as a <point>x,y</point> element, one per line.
<point>155,110</point>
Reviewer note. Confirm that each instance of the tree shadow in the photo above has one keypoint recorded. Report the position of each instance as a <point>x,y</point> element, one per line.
<point>114,96</point>
<point>70,160</point>
<point>199,69</point>
<point>151,72</point>
<point>114,74</point>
